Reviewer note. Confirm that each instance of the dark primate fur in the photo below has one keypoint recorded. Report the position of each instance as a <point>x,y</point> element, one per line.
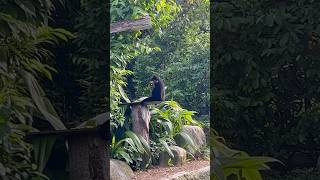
<point>158,93</point>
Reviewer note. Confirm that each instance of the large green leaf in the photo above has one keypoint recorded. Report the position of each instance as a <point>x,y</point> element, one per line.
<point>145,145</point>
<point>42,148</point>
<point>186,142</point>
<point>246,162</point>
<point>125,155</point>
<point>123,94</point>
<point>95,121</point>
<point>136,141</point>
<point>38,96</point>
<point>227,162</point>
<point>166,147</point>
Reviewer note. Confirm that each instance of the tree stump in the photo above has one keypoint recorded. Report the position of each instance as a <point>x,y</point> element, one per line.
<point>140,120</point>
<point>88,158</point>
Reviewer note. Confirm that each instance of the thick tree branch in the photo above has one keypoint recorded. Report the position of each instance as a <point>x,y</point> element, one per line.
<point>140,24</point>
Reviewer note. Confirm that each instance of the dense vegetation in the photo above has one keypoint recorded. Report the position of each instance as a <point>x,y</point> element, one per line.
<point>177,51</point>
<point>265,82</point>
<point>43,49</point>
<point>184,57</point>
<point>132,50</point>
<point>264,88</point>
<point>25,55</point>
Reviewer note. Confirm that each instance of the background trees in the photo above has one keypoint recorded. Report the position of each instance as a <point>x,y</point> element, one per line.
<point>183,59</point>
<point>266,78</point>
<point>127,45</point>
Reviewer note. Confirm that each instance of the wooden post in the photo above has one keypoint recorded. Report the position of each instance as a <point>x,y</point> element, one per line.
<point>88,158</point>
<point>88,152</point>
<point>140,120</point>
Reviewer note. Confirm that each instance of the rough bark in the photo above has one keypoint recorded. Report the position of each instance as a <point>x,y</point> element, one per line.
<point>140,24</point>
<point>140,120</point>
<point>88,158</point>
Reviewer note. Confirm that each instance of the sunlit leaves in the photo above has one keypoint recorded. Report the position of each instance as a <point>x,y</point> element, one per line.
<point>127,45</point>
<point>131,148</point>
<point>183,61</point>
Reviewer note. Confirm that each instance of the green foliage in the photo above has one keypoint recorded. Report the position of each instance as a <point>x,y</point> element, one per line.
<point>167,119</point>
<point>15,154</point>
<point>42,148</point>
<point>161,144</point>
<point>266,76</point>
<point>166,125</point>
<point>90,58</point>
<point>131,149</point>
<point>171,117</point>
<point>227,163</point>
<point>127,45</point>
<point>183,61</point>
<point>25,41</point>
<point>161,12</point>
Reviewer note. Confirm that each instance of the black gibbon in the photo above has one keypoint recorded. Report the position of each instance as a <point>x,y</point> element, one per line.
<point>158,91</point>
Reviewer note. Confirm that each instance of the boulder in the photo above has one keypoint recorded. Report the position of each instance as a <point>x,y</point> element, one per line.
<point>195,133</point>
<point>203,173</point>
<point>180,156</point>
<point>120,170</point>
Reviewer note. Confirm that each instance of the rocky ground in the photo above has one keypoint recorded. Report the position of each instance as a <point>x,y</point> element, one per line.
<point>157,172</point>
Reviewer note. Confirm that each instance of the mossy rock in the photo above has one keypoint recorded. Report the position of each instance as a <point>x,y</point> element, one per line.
<point>180,157</point>
<point>120,170</point>
<point>196,135</point>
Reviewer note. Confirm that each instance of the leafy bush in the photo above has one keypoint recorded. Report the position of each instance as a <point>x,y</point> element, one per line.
<point>232,164</point>
<point>165,125</point>
<point>131,149</point>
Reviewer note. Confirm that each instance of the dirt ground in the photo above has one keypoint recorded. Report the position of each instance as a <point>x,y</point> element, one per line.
<point>157,172</point>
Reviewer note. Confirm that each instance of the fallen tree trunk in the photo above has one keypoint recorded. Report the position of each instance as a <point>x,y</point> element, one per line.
<point>130,25</point>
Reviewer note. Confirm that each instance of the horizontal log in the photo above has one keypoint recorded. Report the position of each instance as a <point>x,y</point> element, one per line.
<point>67,132</point>
<point>133,103</point>
<point>130,25</point>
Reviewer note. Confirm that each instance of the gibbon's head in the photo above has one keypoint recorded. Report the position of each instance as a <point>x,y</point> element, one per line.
<point>155,79</point>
